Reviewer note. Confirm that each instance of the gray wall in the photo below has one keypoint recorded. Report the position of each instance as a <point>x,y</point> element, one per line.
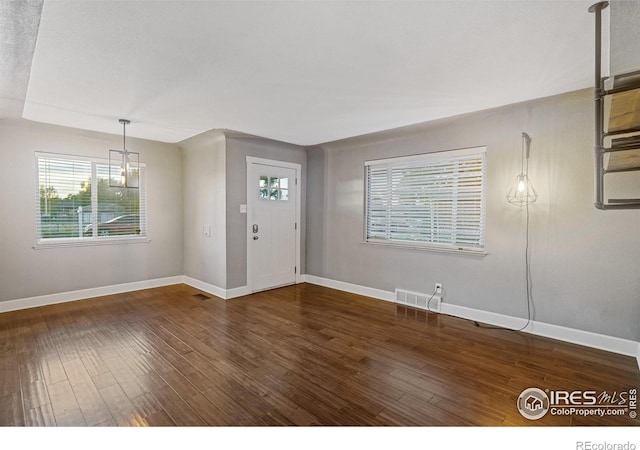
<point>584,262</point>
<point>204,200</point>
<point>625,36</point>
<point>238,148</point>
<point>316,206</point>
<point>25,272</point>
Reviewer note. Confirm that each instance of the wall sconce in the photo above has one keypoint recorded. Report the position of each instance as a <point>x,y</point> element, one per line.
<point>522,192</point>
<point>124,166</point>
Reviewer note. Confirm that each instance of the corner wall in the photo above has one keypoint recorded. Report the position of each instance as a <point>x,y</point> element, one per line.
<point>316,207</point>
<point>584,262</point>
<point>204,203</point>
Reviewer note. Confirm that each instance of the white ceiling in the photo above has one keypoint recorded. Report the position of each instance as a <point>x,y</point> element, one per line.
<point>302,72</point>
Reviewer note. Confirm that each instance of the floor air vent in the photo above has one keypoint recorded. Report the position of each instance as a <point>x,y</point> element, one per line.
<point>418,300</point>
<point>201,296</point>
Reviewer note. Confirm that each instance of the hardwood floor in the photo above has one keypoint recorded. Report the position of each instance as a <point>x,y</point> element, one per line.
<point>300,355</point>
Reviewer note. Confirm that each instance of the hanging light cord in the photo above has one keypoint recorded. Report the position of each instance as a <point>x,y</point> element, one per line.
<point>124,136</point>
<point>124,123</point>
<point>526,247</point>
<point>525,136</point>
<point>526,265</point>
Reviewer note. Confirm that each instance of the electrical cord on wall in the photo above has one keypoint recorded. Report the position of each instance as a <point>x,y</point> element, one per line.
<point>527,268</point>
<point>429,301</point>
<point>527,276</point>
<point>528,284</point>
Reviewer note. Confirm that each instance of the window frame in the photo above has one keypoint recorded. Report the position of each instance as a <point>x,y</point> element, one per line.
<point>428,159</point>
<point>45,243</point>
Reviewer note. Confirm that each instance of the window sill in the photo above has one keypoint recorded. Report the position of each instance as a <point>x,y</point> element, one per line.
<point>63,243</point>
<point>431,248</point>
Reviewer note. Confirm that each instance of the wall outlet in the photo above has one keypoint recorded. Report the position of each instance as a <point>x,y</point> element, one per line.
<point>206,230</point>
<point>438,288</point>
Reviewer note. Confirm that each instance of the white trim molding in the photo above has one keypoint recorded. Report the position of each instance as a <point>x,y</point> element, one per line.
<point>206,287</point>
<point>572,335</point>
<point>237,292</point>
<point>84,294</point>
<point>353,288</point>
<point>224,294</point>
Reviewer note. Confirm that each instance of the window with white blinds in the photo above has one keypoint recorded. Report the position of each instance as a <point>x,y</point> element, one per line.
<point>435,200</point>
<point>75,204</point>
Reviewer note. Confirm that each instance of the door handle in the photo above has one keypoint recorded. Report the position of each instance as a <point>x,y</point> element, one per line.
<point>255,227</point>
<point>255,238</point>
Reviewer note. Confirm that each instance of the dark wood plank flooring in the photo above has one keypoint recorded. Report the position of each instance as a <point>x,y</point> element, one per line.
<point>300,355</point>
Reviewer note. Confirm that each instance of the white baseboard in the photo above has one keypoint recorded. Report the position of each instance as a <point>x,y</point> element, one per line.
<point>206,287</point>
<point>586,338</point>
<point>83,294</point>
<point>237,292</point>
<point>349,287</point>
<point>225,294</point>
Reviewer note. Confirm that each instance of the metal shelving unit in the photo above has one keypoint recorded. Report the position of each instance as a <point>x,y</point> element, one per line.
<point>617,124</point>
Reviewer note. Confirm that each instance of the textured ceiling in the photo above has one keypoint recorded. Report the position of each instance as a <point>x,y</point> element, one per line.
<point>18,30</point>
<point>300,72</point>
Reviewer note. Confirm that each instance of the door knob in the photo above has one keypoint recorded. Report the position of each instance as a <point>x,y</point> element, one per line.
<point>255,227</point>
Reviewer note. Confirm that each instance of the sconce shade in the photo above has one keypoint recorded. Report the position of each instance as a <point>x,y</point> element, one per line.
<point>522,192</point>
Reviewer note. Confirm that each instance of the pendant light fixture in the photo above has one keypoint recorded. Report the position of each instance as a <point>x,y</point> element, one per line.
<point>522,192</point>
<point>124,166</point>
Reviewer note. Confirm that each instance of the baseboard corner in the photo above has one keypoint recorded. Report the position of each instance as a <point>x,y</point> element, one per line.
<point>224,294</point>
<point>237,292</point>
<point>204,286</point>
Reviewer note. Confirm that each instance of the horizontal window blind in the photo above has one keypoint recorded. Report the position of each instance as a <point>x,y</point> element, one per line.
<point>429,200</point>
<point>75,203</point>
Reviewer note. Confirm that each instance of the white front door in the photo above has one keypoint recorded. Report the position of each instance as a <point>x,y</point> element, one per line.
<point>271,225</point>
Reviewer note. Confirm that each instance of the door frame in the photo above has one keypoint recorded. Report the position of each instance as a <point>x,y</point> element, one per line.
<point>250,203</point>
